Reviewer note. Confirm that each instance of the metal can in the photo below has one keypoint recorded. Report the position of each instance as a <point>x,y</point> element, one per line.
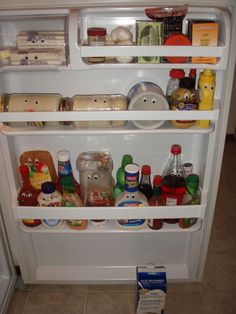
<point>147,96</point>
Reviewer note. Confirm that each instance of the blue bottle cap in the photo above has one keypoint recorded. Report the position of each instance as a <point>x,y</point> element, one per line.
<point>48,187</point>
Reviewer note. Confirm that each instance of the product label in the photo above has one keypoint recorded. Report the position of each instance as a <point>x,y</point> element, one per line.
<point>171,201</point>
<point>152,287</point>
<point>64,168</point>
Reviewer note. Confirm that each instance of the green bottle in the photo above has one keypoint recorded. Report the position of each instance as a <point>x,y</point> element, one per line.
<point>192,197</point>
<point>120,175</point>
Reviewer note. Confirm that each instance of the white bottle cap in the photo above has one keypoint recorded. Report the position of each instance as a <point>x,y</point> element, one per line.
<point>63,155</point>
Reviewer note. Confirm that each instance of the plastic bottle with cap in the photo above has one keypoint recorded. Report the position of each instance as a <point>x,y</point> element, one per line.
<point>120,175</point>
<point>145,185</point>
<point>156,200</point>
<point>173,83</point>
<point>206,90</point>
<point>65,169</point>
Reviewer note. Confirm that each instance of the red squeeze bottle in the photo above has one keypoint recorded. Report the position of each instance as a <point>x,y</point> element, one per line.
<point>156,200</point>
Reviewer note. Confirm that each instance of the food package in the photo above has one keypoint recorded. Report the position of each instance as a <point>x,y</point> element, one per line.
<point>98,103</point>
<point>40,39</point>
<point>31,102</point>
<point>41,167</point>
<point>37,57</point>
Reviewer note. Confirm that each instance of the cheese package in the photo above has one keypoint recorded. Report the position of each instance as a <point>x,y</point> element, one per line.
<point>31,102</point>
<point>37,57</point>
<point>204,34</point>
<point>99,103</point>
<point>40,40</point>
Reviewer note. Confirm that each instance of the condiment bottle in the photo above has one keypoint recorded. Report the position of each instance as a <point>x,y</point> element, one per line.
<point>50,197</point>
<point>71,199</point>
<point>173,183</point>
<point>131,197</point>
<point>120,175</point>
<point>65,170</point>
<point>145,185</point>
<point>206,89</point>
<point>156,200</point>
<point>173,83</point>
<point>192,197</point>
<point>27,196</point>
<point>184,98</point>
<point>96,37</point>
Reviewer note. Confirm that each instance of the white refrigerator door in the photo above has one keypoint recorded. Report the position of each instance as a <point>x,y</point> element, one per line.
<point>7,271</point>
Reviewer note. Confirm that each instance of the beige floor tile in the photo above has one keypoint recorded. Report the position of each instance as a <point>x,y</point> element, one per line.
<point>173,287</point>
<point>184,303</point>
<point>18,301</point>
<point>55,302</point>
<point>110,288</point>
<point>219,303</point>
<point>59,287</point>
<point>110,303</point>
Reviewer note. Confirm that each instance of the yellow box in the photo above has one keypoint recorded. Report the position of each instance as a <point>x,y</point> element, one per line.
<point>205,34</point>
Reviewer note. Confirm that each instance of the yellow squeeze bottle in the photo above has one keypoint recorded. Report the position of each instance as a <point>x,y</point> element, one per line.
<point>206,89</point>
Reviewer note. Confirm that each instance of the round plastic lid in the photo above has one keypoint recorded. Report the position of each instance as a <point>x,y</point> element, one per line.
<point>146,169</point>
<point>177,73</point>
<point>132,168</point>
<point>48,187</point>
<point>63,155</point>
<point>96,31</point>
<point>176,149</point>
<point>177,40</point>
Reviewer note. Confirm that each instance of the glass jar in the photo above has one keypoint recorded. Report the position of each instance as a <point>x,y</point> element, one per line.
<point>96,37</point>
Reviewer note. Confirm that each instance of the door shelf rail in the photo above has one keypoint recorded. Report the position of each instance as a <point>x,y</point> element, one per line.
<point>110,227</point>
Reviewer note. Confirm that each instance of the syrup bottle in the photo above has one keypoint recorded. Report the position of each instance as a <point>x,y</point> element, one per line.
<point>145,185</point>
<point>27,196</point>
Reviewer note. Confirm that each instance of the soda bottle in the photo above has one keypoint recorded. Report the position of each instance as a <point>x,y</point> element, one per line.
<point>120,175</point>
<point>131,197</point>
<point>65,169</point>
<point>173,182</point>
<point>145,185</point>
<point>192,197</point>
<point>156,200</point>
<point>27,196</point>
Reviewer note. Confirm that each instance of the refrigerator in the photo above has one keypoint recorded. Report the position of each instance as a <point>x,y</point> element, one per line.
<point>7,270</point>
<point>107,254</point>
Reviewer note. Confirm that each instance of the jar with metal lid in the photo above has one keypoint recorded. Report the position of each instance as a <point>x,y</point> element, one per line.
<point>96,37</point>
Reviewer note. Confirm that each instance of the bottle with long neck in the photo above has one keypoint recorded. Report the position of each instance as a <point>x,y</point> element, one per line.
<point>145,185</point>
<point>173,183</point>
<point>131,197</point>
<point>120,175</point>
<point>27,196</point>
<point>156,200</point>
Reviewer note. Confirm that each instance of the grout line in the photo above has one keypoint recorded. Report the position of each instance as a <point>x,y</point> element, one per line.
<point>26,301</point>
<point>85,302</point>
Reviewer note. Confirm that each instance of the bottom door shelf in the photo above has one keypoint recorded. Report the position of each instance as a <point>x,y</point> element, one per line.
<point>109,227</point>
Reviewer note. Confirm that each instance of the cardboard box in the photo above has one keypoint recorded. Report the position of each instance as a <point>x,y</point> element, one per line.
<point>149,33</point>
<point>151,289</point>
<point>205,34</point>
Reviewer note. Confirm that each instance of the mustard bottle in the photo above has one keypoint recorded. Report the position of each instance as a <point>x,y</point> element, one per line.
<point>206,90</point>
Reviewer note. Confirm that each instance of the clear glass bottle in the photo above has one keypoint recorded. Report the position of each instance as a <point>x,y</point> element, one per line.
<point>96,37</point>
<point>71,199</point>
<point>131,197</point>
<point>173,183</point>
<point>173,83</point>
<point>145,185</point>
<point>27,196</point>
<point>120,175</point>
<point>156,200</point>
<point>192,197</point>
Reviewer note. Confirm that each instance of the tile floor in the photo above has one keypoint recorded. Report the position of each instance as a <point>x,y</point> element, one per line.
<point>216,294</point>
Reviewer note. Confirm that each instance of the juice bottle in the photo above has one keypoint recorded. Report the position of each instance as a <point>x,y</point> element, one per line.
<point>27,196</point>
<point>131,197</point>
<point>156,200</point>
<point>145,185</point>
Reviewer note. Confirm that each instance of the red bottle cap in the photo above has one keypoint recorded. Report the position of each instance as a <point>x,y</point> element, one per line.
<point>192,72</point>
<point>146,169</point>
<point>157,180</point>
<point>96,31</point>
<point>176,149</point>
<point>177,73</point>
<point>24,170</point>
<point>177,40</point>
